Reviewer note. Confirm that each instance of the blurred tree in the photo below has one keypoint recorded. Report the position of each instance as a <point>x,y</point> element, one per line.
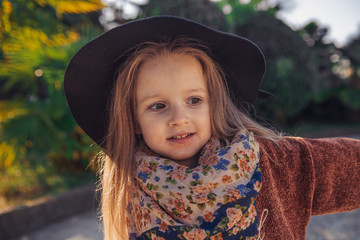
<point>203,11</point>
<point>350,95</point>
<point>313,34</point>
<point>286,53</point>
<point>300,66</point>
<point>326,57</point>
<point>334,98</point>
<point>37,39</point>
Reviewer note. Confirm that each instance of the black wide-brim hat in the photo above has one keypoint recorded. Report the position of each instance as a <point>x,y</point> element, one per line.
<point>90,74</point>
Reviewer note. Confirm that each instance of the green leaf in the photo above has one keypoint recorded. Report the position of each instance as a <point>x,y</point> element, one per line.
<point>188,210</point>
<point>226,198</point>
<point>159,195</point>
<point>170,180</point>
<point>193,183</point>
<point>201,206</point>
<point>189,197</point>
<point>150,186</point>
<point>234,167</point>
<point>211,196</point>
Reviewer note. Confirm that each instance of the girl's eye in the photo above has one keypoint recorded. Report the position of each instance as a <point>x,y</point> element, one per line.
<point>157,106</point>
<point>194,100</point>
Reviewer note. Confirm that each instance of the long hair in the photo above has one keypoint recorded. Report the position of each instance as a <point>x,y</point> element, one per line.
<point>117,167</point>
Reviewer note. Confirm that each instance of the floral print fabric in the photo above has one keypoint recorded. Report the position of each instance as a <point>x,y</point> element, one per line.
<point>215,200</point>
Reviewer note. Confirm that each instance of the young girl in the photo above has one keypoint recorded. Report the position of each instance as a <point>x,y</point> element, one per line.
<point>167,100</point>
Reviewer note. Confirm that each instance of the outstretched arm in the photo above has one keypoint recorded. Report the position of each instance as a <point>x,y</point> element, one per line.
<point>336,164</point>
<point>304,177</point>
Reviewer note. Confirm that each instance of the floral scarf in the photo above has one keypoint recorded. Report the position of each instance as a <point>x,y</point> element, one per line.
<point>215,200</point>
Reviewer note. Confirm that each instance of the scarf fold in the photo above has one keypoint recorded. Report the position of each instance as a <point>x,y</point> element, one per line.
<point>215,200</point>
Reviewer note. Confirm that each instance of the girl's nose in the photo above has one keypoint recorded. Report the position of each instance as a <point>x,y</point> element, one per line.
<point>179,116</point>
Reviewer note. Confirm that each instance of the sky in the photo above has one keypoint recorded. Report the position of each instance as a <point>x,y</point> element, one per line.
<point>342,17</point>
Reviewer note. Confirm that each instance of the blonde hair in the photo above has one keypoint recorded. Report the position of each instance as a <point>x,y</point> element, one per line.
<point>117,167</point>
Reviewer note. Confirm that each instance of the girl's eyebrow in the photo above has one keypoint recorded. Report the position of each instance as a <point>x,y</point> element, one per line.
<point>196,90</point>
<point>158,95</point>
<point>149,97</point>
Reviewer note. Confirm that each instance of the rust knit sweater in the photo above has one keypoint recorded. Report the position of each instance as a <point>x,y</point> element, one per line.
<point>304,177</point>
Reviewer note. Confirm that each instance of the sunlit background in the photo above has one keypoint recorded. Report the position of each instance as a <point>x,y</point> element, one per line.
<point>342,18</point>
<point>312,49</point>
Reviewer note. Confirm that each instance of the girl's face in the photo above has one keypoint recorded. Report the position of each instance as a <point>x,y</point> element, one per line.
<point>172,107</point>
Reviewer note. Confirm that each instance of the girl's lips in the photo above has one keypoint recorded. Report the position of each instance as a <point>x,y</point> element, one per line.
<point>181,138</point>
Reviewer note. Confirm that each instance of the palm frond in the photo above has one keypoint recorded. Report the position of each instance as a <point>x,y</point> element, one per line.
<point>29,123</point>
<point>33,125</point>
<point>33,39</point>
<point>8,154</point>
<point>39,53</point>
<point>73,7</point>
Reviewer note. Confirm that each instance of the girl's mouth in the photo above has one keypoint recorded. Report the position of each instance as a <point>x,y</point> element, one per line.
<point>181,136</point>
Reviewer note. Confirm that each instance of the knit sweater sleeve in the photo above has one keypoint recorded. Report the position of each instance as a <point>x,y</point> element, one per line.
<point>336,164</point>
<point>304,177</point>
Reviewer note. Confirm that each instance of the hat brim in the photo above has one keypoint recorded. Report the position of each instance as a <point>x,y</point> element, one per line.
<point>91,72</point>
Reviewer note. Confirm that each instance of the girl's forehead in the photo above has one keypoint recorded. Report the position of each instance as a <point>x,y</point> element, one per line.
<point>169,65</point>
<point>172,74</point>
